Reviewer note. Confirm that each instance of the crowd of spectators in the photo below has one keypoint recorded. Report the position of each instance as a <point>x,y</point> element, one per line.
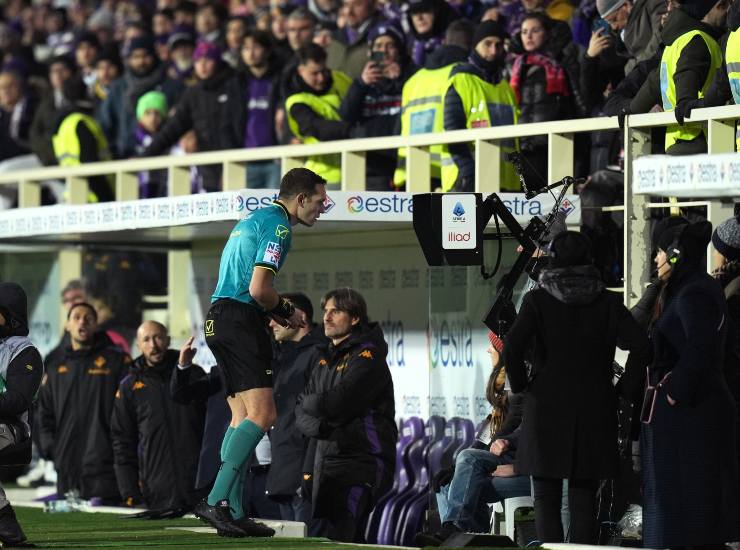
<point>87,80</point>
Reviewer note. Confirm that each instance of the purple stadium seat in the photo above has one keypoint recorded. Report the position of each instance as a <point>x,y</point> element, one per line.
<point>411,430</point>
<point>464,435</point>
<point>439,441</point>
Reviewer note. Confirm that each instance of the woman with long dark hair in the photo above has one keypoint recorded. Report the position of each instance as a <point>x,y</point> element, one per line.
<point>688,432</point>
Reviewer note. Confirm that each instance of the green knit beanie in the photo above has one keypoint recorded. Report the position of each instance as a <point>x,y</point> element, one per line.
<point>151,100</point>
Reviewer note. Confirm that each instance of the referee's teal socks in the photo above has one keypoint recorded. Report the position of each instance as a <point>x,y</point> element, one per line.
<point>235,451</point>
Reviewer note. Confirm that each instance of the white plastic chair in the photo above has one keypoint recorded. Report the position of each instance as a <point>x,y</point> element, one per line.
<point>509,507</point>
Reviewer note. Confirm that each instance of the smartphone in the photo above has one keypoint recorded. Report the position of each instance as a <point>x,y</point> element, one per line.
<point>377,57</point>
<point>601,24</point>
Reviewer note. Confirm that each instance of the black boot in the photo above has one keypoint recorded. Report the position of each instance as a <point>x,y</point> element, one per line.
<point>11,533</point>
<point>219,516</point>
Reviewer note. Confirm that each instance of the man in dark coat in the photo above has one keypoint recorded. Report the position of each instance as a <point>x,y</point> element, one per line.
<point>347,52</point>
<point>199,109</point>
<point>571,325</point>
<point>17,106</point>
<point>156,442</point>
<point>143,73</point>
<point>75,406</point>
<point>293,362</point>
<point>21,370</point>
<point>348,407</point>
<point>689,456</point>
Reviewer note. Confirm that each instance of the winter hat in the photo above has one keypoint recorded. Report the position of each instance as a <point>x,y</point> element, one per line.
<point>207,50</point>
<point>726,238</point>
<point>696,8</point>
<point>181,34</point>
<point>570,248</point>
<point>421,6</point>
<point>388,29</point>
<point>606,7</point>
<point>486,29</point>
<point>13,305</point>
<point>144,42</point>
<point>667,231</point>
<point>151,100</point>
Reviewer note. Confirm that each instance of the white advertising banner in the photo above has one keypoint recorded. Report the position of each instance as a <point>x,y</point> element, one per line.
<point>233,205</point>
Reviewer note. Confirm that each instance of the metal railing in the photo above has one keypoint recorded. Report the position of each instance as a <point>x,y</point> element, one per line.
<point>720,122</point>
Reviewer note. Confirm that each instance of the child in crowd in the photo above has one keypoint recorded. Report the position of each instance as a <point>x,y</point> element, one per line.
<point>151,112</point>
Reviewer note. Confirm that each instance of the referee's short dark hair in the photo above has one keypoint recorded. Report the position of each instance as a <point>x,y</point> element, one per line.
<point>302,302</point>
<point>299,180</point>
<point>350,301</point>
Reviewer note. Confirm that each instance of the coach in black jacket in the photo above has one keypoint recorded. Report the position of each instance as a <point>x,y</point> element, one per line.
<point>296,356</point>
<point>75,406</point>
<point>348,406</point>
<point>156,441</point>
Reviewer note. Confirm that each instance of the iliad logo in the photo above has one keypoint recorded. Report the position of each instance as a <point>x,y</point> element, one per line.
<point>458,237</point>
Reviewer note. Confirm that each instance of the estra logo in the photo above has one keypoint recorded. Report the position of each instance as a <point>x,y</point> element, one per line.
<point>455,237</point>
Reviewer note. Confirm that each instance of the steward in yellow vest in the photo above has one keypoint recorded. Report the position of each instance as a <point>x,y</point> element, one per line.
<point>687,68</point>
<point>79,138</point>
<point>476,97</point>
<point>726,84</point>
<point>422,102</point>
<point>313,108</point>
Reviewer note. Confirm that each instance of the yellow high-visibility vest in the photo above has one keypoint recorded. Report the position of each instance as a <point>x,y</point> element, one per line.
<point>668,64</point>
<point>326,106</point>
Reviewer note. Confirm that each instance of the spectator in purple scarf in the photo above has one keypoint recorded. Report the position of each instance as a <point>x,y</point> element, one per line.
<point>428,20</point>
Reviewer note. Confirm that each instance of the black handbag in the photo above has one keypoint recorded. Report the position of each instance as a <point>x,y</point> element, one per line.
<point>15,444</point>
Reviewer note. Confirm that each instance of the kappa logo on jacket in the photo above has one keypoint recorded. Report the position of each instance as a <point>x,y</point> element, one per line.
<point>100,361</point>
<point>138,385</point>
<point>62,369</point>
<point>367,354</point>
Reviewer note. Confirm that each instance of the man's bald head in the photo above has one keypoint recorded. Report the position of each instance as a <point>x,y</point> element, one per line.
<point>152,340</point>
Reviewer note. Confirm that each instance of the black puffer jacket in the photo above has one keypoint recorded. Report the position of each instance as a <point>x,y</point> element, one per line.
<point>156,441</point>
<point>75,407</point>
<point>292,365</point>
<point>348,407</point>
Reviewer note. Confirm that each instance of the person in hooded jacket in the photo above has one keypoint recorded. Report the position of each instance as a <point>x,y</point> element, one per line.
<point>21,369</point>
<point>427,21</point>
<point>295,357</point>
<point>373,101</point>
<point>75,406</point>
<point>200,109</point>
<point>571,325</point>
<point>688,445</point>
<point>348,409</point>
<point>156,441</point>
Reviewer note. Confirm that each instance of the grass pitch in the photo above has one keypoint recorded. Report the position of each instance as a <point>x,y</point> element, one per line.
<point>82,530</point>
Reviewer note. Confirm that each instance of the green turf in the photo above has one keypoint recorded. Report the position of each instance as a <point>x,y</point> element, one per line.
<point>81,530</point>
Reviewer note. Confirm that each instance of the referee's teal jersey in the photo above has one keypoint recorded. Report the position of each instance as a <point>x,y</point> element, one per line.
<point>261,239</point>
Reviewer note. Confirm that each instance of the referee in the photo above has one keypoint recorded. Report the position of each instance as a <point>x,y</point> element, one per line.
<point>236,331</point>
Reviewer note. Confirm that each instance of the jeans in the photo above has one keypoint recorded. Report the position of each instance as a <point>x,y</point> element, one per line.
<point>295,509</point>
<point>472,485</point>
<point>263,174</point>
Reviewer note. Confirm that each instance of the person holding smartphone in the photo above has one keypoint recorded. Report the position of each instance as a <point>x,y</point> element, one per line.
<point>373,102</point>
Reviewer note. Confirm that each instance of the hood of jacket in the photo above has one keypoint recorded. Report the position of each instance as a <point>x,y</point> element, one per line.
<point>445,55</point>
<point>576,285</point>
<point>163,369</point>
<point>13,304</point>
<point>679,23</point>
<point>371,335</point>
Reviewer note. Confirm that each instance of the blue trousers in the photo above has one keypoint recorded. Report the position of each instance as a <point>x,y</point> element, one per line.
<point>464,500</point>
